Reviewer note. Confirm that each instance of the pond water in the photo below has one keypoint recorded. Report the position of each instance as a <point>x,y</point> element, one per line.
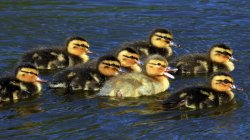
<point>27,24</point>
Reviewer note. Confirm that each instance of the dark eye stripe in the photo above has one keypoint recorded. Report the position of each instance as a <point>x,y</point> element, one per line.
<point>131,57</point>
<point>224,81</point>
<point>113,65</point>
<point>163,37</point>
<point>29,72</point>
<point>81,45</point>
<point>225,53</point>
<point>158,64</point>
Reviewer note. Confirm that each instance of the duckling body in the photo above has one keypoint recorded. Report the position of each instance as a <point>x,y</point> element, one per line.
<point>75,53</point>
<point>25,84</point>
<point>159,42</point>
<point>87,78</point>
<point>199,97</point>
<point>149,82</point>
<point>218,59</point>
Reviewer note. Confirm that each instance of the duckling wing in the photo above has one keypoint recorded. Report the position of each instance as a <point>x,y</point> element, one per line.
<point>193,64</point>
<point>128,85</point>
<point>47,58</point>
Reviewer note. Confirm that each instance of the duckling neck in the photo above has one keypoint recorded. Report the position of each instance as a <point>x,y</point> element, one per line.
<point>136,68</point>
<point>164,83</point>
<point>230,95</point>
<point>230,65</point>
<point>38,86</point>
<point>84,57</point>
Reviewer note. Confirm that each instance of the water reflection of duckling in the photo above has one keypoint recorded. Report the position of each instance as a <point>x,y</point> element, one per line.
<point>25,83</point>
<point>151,80</point>
<point>198,97</point>
<point>160,42</point>
<point>220,58</point>
<point>86,78</point>
<point>76,52</point>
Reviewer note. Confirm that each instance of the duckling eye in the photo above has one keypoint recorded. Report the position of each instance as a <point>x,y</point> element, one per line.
<point>227,81</point>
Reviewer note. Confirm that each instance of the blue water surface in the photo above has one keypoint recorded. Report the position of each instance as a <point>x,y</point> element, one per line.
<point>196,25</point>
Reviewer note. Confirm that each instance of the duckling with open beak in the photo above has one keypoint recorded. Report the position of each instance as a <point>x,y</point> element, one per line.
<point>152,80</point>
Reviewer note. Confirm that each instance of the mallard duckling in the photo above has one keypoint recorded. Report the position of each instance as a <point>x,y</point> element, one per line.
<point>86,78</point>
<point>129,59</point>
<point>25,83</point>
<point>160,42</point>
<point>219,58</point>
<point>152,80</point>
<point>76,52</point>
<point>198,97</point>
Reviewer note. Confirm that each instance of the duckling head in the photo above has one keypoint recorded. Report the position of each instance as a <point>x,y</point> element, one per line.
<point>78,46</point>
<point>108,65</point>
<point>27,73</point>
<point>161,38</point>
<point>221,53</point>
<point>222,82</point>
<point>129,58</point>
<point>156,65</point>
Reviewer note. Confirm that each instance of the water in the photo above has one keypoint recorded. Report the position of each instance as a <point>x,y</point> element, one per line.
<point>196,25</point>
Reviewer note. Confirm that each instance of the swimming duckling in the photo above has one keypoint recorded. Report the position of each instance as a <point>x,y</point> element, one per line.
<point>86,78</point>
<point>152,80</point>
<point>129,59</point>
<point>198,97</point>
<point>76,52</point>
<point>219,58</point>
<point>160,42</point>
<point>25,83</point>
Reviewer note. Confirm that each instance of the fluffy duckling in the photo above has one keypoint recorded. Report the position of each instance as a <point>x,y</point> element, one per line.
<point>25,83</point>
<point>219,58</point>
<point>152,80</point>
<point>87,78</point>
<point>198,97</point>
<point>129,59</point>
<point>159,42</point>
<point>76,52</point>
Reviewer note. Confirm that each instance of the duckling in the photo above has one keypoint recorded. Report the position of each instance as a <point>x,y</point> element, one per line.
<point>87,78</point>
<point>152,80</point>
<point>219,58</point>
<point>198,97</point>
<point>160,42</point>
<point>129,59</point>
<point>76,52</point>
<point>25,84</point>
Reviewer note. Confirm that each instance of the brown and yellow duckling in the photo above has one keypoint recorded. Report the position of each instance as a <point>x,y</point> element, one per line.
<point>219,58</point>
<point>198,97</point>
<point>25,84</point>
<point>129,59</point>
<point>76,52</point>
<point>152,80</point>
<point>87,78</point>
<point>160,42</point>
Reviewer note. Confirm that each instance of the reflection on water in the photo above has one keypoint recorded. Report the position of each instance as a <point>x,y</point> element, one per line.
<point>58,114</point>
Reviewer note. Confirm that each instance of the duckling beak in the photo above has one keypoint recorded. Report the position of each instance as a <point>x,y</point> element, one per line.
<point>237,88</point>
<point>168,74</point>
<point>40,80</point>
<point>173,44</point>
<point>171,69</point>
<point>88,51</point>
<point>233,59</point>
<point>122,71</point>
